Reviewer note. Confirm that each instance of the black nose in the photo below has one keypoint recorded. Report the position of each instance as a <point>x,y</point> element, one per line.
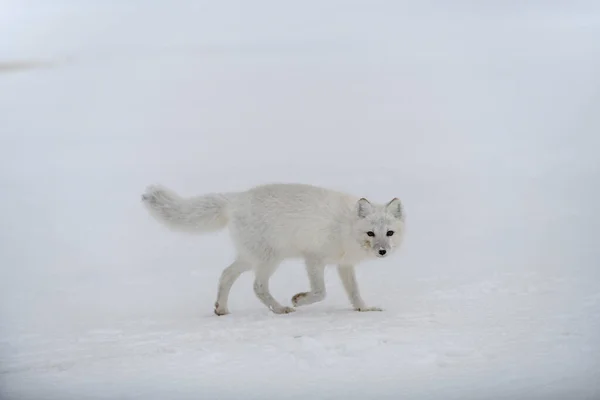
<point>382,252</point>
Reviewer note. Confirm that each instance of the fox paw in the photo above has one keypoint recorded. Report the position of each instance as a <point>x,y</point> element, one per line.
<point>220,310</point>
<point>283,310</point>
<point>305,298</point>
<point>296,299</point>
<point>364,309</point>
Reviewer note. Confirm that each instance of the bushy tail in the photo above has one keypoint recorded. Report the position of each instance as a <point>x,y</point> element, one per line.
<point>198,214</point>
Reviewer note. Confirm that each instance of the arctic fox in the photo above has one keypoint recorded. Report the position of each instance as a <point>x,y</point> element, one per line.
<point>273,222</point>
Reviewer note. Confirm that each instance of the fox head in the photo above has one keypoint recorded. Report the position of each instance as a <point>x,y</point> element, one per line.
<point>379,228</point>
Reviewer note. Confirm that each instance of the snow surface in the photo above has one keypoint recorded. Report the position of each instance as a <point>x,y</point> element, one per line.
<point>482,116</point>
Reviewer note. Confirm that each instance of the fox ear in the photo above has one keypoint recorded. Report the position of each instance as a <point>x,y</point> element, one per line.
<point>363,208</point>
<point>394,207</point>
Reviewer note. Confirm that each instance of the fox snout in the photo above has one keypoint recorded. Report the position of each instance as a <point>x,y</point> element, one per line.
<point>382,250</point>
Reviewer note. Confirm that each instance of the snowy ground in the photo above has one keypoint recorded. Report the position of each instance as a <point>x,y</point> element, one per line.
<point>482,116</point>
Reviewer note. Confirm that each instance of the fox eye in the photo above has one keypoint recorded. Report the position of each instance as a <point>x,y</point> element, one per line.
<point>371,233</point>
<point>390,233</point>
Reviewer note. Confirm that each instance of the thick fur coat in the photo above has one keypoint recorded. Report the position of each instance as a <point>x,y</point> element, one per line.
<point>271,223</point>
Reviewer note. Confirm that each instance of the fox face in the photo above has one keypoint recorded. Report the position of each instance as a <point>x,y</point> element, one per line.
<point>379,229</point>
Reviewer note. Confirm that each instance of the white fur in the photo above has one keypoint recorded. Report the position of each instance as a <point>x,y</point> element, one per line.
<point>271,223</point>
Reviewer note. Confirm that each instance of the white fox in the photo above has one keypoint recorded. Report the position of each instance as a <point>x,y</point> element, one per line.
<point>274,222</point>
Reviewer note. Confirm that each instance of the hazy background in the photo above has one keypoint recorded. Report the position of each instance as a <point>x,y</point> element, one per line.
<point>483,117</point>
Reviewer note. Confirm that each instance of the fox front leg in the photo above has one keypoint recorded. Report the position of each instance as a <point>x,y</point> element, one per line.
<point>315,269</point>
<point>348,278</point>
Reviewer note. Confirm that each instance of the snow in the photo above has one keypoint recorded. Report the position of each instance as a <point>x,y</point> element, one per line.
<point>481,116</point>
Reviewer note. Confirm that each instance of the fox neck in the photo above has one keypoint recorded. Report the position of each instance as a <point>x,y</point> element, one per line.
<point>353,252</point>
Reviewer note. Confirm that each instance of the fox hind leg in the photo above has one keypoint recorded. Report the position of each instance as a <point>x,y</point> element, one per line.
<point>228,278</point>
<point>263,273</point>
